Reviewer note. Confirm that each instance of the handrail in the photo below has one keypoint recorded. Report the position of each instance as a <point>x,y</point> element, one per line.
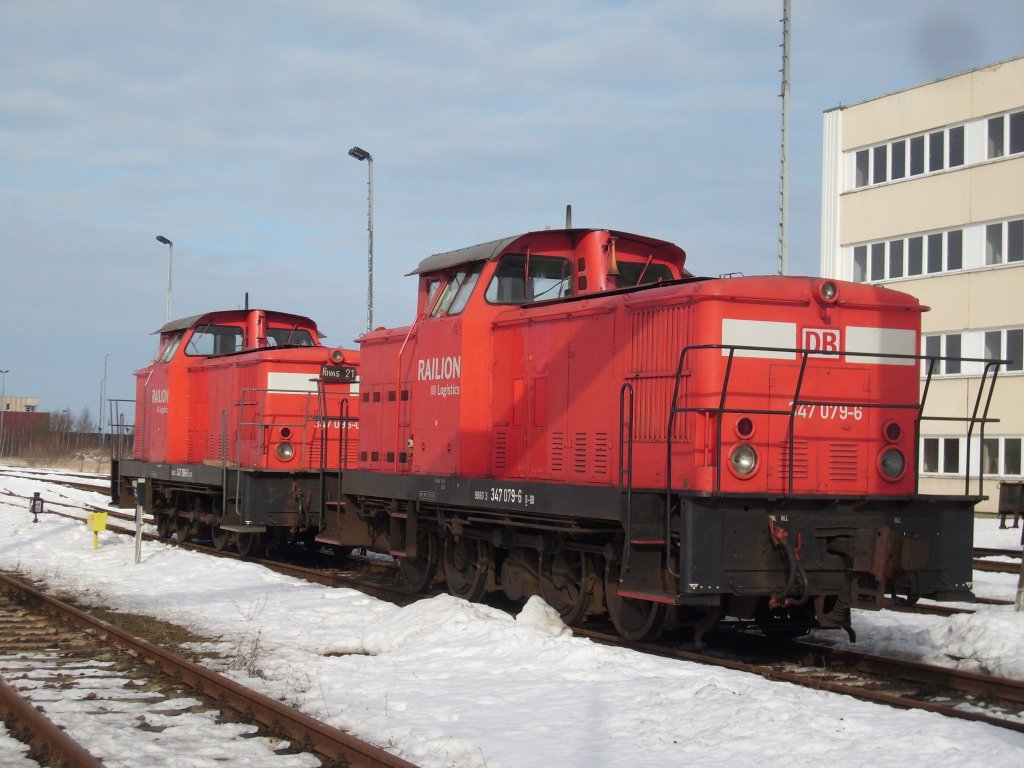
<point>986,389</point>
<point>626,467</point>
<point>310,415</point>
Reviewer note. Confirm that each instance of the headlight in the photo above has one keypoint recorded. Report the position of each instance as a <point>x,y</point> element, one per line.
<point>829,291</point>
<point>743,460</point>
<point>892,463</point>
<point>285,451</point>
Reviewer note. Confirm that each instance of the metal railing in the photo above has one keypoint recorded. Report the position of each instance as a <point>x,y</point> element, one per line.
<point>982,400</point>
<point>976,420</point>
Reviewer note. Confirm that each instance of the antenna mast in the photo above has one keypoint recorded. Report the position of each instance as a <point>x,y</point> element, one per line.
<point>784,149</point>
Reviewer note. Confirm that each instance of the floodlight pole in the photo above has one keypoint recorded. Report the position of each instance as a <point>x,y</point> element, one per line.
<point>103,394</point>
<point>170,270</point>
<point>361,154</point>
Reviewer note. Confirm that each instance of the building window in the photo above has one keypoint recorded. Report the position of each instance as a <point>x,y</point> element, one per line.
<point>1001,456</point>
<point>915,259</point>
<point>1005,135</point>
<point>908,257</point>
<point>899,159</point>
<point>863,160</point>
<point>1016,133</point>
<point>956,146</point>
<point>1004,242</point>
<point>896,258</point>
<point>954,250</point>
<point>941,455</point>
<point>945,350</point>
<point>860,263</point>
<point>995,137</point>
<point>936,153</point>
<point>1007,344</point>
<point>937,150</point>
<point>880,164</point>
<point>934,253</point>
<point>994,244</point>
<point>917,155</point>
<point>878,261</point>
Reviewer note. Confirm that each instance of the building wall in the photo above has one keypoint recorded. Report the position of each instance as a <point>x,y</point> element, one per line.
<point>948,233</point>
<point>10,403</point>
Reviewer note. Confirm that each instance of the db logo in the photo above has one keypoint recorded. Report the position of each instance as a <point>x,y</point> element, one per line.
<point>821,339</point>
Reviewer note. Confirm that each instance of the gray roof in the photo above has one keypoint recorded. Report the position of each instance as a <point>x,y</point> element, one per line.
<point>482,252</point>
<point>183,323</point>
<point>487,251</point>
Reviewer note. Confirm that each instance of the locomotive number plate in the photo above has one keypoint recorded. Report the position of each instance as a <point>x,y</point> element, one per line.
<point>505,495</point>
<point>337,373</point>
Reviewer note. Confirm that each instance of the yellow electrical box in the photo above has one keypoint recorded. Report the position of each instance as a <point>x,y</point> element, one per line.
<point>97,522</point>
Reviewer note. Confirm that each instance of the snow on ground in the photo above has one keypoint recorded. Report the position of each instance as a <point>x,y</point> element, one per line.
<point>446,683</point>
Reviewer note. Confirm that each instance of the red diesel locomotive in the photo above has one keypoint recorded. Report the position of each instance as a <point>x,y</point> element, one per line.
<point>238,422</point>
<point>573,414</point>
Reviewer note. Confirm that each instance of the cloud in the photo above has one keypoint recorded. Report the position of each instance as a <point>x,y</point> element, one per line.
<point>225,126</point>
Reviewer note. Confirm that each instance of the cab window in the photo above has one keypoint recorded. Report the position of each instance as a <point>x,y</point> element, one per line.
<point>457,290</point>
<point>289,337</point>
<point>522,278</point>
<point>169,345</point>
<point>210,340</point>
<point>641,273</point>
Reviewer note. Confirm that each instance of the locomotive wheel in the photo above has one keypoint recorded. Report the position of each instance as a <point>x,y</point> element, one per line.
<point>567,584</point>
<point>519,574</point>
<point>638,621</point>
<point>164,525</point>
<point>250,544</point>
<point>467,563</point>
<point>419,571</point>
<point>219,537</point>
<point>183,527</point>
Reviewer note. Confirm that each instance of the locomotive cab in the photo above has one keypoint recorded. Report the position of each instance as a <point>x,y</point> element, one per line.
<point>545,266</point>
<point>238,418</point>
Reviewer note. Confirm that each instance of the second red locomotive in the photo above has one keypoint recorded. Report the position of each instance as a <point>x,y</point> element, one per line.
<point>238,421</point>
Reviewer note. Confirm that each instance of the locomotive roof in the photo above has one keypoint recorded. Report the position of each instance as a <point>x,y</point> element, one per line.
<point>487,251</point>
<point>183,323</point>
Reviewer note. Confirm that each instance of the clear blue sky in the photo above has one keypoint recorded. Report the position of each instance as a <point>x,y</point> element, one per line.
<point>225,126</point>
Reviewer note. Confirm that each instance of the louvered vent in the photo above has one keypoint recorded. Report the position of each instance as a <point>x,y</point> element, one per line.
<point>501,450</point>
<point>800,460</point>
<point>557,452</point>
<point>601,449</point>
<point>842,461</point>
<point>579,464</point>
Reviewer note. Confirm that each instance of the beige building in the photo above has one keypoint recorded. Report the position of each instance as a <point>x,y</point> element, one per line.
<point>19,404</point>
<point>923,191</point>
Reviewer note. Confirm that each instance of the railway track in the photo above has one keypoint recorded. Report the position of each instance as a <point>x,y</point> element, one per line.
<point>1011,563</point>
<point>903,684</point>
<point>895,682</point>
<point>81,691</point>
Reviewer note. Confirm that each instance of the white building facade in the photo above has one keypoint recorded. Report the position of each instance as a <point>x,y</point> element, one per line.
<point>923,191</point>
